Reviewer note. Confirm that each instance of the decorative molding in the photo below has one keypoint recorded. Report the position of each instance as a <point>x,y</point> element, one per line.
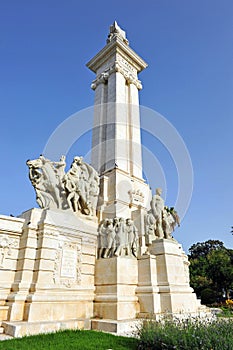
<point>111,49</point>
<point>120,67</point>
<point>89,241</point>
<point>44,233</point>
<point>6,245</point>
<point>136,197</point>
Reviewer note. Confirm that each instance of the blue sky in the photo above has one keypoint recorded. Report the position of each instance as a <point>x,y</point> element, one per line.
<point>44,46</point>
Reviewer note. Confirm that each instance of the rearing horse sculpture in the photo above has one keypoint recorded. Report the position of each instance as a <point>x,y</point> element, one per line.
<point>46,182</point>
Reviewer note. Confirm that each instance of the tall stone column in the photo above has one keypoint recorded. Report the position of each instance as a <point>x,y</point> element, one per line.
<point>99,125</point>
<point>116,142</point>
<point>134,132</point>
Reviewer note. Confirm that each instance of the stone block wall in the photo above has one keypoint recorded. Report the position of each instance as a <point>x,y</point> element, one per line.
<point>47,267</point>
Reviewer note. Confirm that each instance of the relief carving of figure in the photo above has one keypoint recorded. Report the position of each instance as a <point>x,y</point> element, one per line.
<point>132,237</point>
<point>117,237</point>
<point>121,237</point>
<point>110,238</point>
<point>102,239</point>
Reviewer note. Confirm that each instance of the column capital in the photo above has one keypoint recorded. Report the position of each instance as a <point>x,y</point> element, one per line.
<point>114,68</point>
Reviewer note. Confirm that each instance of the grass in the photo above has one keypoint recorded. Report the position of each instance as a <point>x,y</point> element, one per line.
<point>226,312</point>
<point>71,340</point>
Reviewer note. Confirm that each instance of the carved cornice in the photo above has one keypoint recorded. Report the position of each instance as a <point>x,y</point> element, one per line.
<point>116,67</point>
<point>114,46</point>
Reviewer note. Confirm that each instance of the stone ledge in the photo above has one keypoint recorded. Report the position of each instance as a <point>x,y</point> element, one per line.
<point>21,328</point>
<point>122,327</point>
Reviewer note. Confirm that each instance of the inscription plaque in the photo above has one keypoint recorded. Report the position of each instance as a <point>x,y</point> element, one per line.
<point>69,264</point>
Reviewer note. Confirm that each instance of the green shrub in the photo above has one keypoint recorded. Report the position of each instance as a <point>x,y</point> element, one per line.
<point>186,334</point>
<point>208,296</point>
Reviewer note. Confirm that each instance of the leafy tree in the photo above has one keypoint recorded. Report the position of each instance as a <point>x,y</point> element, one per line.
<point>220,270</point>
<point>211,267</point>
<point>198,277</point>
<point>203,249</point>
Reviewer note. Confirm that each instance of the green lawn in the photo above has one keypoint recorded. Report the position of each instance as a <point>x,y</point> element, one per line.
<point>71,340</point>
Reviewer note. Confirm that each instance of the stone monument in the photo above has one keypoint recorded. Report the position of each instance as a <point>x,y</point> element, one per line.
<point>95,254</point>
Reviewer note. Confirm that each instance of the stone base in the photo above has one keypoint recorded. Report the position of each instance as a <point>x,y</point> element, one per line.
<point>50,278</point>
<point>59,307</point>
<point>172,278</point>
<point>122,327</point>
<point>19,329</point>
<point>148,290</point>
<point>116,281</point>
<point>3,312</point>
<point>54,264</point>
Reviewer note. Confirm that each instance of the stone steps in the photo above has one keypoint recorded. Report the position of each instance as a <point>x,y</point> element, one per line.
<point>3,317</point>
<point>5,337</point>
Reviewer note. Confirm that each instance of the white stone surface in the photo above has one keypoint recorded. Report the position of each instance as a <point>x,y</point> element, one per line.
<point>116,280</point>
<point>20,329</point>
<point>54,277</point>
<point>116,123</point>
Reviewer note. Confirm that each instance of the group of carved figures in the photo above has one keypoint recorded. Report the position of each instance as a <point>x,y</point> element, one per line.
<point>160,221</point>
<point>117,237</point>
<point>78,189</point>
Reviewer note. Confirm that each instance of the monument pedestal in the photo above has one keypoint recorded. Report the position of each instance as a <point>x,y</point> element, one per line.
<point>54,281</point>
<point>10,234</point>
<point>176,295</point>
<point>148,290</point>
<point>116,281</point>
